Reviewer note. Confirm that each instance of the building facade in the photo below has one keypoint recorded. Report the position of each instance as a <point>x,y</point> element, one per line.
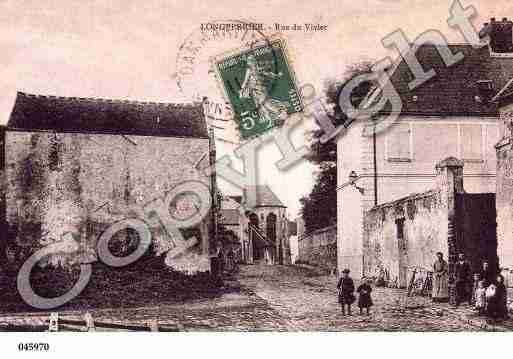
<point>451,115</point>
<point>79,166</point>
<point>263,232</point>
<point>401,237</point>
<point>505,190</point>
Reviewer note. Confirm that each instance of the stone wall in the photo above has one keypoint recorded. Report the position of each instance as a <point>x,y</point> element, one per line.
<point>83,183</point>
<point>504,193</point>
<point>319,248</point>
<point>424,222</point>
<point>404,235</point>
<point>3,184</point>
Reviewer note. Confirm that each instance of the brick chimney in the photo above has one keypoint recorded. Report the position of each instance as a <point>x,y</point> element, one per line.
<point>501,35</point>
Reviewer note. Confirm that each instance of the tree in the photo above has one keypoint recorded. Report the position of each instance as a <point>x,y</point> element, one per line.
<point>323,152</point>
<point>319,208</point>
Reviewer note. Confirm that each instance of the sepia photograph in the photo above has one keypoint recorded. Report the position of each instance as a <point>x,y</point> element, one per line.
<point>280,169</point>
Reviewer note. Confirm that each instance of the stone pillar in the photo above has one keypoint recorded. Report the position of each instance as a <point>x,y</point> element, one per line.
<point>450,182</point>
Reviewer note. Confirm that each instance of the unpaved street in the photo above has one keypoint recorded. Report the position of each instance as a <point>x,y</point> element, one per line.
<point>286,298</point>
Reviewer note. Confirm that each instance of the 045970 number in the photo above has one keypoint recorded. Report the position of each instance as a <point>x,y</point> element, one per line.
<point>33,347</point>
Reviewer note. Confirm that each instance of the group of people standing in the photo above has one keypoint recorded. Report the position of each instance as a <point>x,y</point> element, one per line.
<point>346,295</point>
<point>484,290</point>
<point>222,260</point>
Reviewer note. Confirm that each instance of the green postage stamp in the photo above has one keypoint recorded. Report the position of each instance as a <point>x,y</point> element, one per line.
<point>260,85</point>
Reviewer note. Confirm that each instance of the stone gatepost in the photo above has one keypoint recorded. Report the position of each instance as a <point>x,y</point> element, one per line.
<point>449,181</point>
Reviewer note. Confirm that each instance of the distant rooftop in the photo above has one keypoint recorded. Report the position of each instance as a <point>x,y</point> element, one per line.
<point>237,199</point>
<point>230,216</point>
<point>91,115</point>
<point>265,197</point>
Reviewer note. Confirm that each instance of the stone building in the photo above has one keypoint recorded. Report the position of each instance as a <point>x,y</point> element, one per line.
<point>79,165</point>
<point>451,115</point>
<point>263,233</point>
<point>403,235</point>
<point>505,185</point>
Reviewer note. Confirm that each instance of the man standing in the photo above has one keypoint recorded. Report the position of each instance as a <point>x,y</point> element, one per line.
<point>440,282</point>
<point>217,262</point>
<point>462,276</point>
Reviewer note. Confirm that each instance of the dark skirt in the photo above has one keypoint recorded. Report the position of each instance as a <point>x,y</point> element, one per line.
<point>497,307</point>
<point>365,301</point>
<point>346,298</point>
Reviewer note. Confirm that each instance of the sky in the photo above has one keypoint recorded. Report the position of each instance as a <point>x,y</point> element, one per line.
<point>125,49</point>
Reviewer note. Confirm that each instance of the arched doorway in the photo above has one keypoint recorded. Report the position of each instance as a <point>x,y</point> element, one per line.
<point>270,232</point>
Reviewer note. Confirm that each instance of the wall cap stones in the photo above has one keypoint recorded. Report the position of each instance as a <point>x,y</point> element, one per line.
<point>402,200</point>
<point>317,231</point>
<point>450,162</point>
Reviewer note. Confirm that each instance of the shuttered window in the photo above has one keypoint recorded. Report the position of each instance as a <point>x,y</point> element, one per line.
<point>399,144</point>
<point>471,142</point>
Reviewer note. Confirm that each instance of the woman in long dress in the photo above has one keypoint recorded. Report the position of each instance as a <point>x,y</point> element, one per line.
<point>496,296</point>
<point>440,280</point>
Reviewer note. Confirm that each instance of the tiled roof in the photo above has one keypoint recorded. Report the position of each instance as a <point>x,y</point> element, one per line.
<point>86,115</point>
<point>237,199</point>
<point>453,89</point>
<point>265,197</point>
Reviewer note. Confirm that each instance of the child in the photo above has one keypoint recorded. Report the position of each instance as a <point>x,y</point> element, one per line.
<point>365,300</point>
<point>480,297</point>
<point>475,285</point>
<point>345,292</point>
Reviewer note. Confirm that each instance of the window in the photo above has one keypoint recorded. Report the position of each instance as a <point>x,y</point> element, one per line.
<point>485,85</point>
<point>399,143</point>
<point>471,143</point>
<point>485,88</point>
<point>434,141</point>
<point>493,135</point>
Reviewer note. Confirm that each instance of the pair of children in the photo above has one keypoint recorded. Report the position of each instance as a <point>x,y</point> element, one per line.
<point>490,298</point>
<point>346,294</point>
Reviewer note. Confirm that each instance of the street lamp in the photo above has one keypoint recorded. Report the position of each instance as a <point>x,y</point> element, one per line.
<point>352,181</point>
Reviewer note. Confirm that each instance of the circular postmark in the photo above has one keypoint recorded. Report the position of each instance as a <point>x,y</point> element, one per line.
<point>249,68</point>
<point>193,61</point>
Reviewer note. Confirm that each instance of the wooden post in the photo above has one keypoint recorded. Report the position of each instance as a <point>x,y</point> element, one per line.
<point>154,325</point>
<point>54,322</point>
<point>213,185</point>
<point>89,322</point>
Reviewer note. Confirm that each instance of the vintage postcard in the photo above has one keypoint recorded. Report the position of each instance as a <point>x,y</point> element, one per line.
<point>292,166</point>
